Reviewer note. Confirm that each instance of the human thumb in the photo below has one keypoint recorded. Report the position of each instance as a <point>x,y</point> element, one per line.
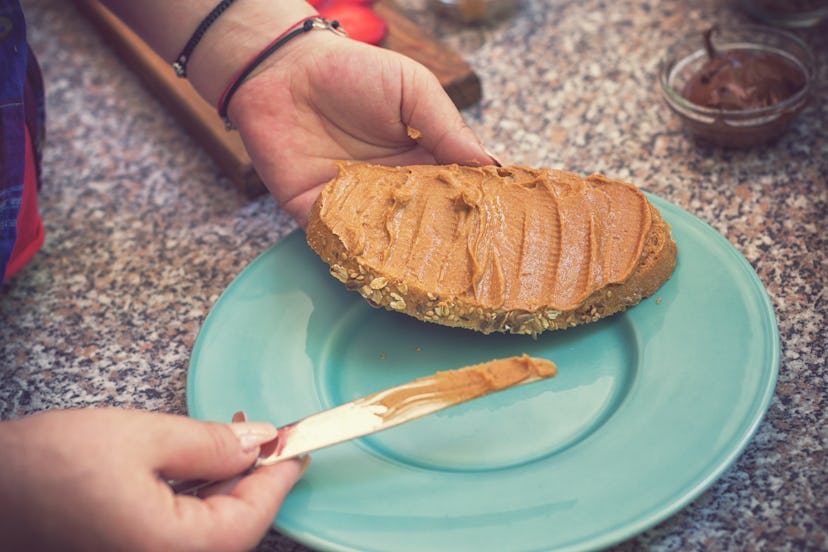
<point>209,450</point>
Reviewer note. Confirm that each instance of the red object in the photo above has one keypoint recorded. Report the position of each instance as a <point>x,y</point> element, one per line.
<point>30,232</point>
<point>357,18</point>
<point>321,3</point>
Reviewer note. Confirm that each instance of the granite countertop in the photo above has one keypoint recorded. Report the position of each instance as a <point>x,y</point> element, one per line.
<point>144,233</point>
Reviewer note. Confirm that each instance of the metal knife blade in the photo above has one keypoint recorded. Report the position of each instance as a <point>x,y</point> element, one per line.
<point>396,405</point>
<point>404,403</point>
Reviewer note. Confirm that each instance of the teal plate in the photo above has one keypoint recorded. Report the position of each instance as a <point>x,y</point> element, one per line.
<point>649,408</point>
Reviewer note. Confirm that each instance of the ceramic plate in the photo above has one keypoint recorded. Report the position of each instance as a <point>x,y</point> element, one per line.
<point>649,407</point>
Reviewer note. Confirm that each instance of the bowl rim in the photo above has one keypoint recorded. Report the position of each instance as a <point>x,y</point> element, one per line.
<point>794,20</point>
<point>677,100</point>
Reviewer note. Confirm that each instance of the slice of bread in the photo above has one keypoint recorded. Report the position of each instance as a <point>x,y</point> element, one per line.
<point>491,249</point>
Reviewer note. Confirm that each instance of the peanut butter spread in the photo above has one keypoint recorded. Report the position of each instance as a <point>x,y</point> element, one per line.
<point>512,238</point>
<point>457,386</point>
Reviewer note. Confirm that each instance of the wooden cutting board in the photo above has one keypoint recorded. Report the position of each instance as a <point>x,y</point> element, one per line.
<point>200,119</point>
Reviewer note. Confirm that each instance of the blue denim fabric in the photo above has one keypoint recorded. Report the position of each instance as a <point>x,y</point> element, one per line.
<point>21,103</point>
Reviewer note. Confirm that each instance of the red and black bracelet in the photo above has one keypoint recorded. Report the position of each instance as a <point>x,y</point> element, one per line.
<point>301,27</point>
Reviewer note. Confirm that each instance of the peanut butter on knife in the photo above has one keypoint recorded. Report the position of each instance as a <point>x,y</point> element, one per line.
<point>464,384</point>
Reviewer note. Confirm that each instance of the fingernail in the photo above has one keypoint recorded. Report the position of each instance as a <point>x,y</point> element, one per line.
<point>240,416</point>
<point>493,157</point>
<point>252,435</point>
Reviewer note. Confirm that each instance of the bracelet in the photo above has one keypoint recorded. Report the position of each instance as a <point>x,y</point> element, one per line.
<point>302,27</point>
<point>180,63</point>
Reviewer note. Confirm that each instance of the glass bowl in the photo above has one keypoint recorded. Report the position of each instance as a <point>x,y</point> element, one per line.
<point>736,127</point>
<point>788,13</point>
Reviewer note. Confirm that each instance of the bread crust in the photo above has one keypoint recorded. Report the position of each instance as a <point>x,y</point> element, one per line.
<point>655,265</point>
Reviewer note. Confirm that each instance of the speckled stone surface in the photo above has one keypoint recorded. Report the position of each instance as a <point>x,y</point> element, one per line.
<point>143,232</point>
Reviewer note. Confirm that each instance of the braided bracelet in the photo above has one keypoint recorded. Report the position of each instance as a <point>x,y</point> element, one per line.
<point>180,63</point>
<point>303,26</point>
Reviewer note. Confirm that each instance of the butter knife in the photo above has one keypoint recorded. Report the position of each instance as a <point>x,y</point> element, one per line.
<point>392,407</point>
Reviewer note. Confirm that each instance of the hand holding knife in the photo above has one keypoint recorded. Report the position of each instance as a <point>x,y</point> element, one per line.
<point>392,407</point>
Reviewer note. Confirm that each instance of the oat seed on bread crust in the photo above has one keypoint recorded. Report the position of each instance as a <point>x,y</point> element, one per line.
<point>363,240</point>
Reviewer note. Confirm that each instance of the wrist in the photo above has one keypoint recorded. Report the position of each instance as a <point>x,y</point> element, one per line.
<point>282,75</point>
<point>239,34</point>
<point>268,56</point>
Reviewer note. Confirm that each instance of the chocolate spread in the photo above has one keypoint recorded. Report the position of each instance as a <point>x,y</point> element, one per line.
<point>456,386</point>
<point>743,79</point>
<point>509,237</point>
